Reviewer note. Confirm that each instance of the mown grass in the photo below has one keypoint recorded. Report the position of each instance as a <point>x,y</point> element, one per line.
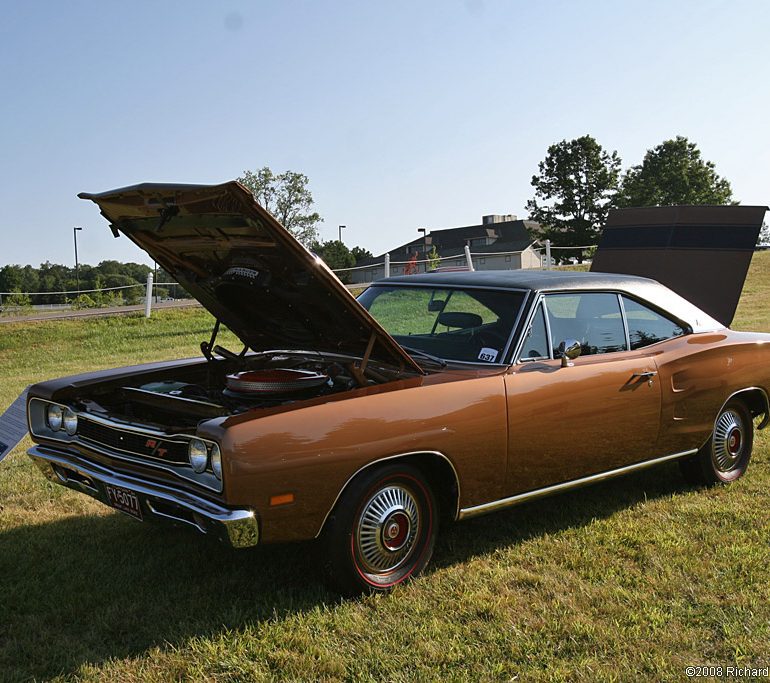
<point>630,580</point>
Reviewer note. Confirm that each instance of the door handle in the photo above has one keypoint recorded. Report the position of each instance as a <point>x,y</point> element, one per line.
<point>647,374</point>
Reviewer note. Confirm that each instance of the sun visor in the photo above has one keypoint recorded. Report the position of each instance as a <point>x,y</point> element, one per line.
<point>701,252</point>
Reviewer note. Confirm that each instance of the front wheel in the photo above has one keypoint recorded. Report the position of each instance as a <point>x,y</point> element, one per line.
<point>726,455</point>
<point>383,530</point>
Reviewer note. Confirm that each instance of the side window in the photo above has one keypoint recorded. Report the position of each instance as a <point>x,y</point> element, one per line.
<point>593,318</point>
<point>646,326</point>
<point>536,343</point>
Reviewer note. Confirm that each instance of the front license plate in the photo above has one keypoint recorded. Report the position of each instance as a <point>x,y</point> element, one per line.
<point>124,500</point>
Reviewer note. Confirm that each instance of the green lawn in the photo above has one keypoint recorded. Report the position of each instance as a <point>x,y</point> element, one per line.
<point>629,580</point>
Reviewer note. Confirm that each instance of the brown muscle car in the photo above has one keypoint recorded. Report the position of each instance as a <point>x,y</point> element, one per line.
<point>367,423</point>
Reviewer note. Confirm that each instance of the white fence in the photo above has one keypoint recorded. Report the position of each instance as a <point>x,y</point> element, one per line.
<point>544,258</point>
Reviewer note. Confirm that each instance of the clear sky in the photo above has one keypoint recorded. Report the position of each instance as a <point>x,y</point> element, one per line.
<point>402,114</point>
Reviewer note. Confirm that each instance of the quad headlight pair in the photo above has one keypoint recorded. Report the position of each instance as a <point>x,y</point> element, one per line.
<point>60,418</point>
<point>200,455</point>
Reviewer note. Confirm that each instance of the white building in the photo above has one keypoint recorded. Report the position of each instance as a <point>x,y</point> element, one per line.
<point>500,242</point>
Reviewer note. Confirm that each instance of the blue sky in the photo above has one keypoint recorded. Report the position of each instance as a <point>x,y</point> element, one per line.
<point>402,114</point>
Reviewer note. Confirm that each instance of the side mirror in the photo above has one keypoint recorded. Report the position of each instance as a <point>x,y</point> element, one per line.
<point>436,305</point>
<point>569,349</point>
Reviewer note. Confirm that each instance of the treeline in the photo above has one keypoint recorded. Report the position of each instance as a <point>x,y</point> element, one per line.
<point>579,181</point>
<point>17,283</point>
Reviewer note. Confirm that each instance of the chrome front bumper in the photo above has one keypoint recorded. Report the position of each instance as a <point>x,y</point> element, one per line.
<point>238,528</point>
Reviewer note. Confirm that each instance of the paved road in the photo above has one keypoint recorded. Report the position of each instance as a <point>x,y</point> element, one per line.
<point>95,312</point>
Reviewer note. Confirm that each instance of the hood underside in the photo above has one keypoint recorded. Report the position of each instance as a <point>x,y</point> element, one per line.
<point>246,269</point>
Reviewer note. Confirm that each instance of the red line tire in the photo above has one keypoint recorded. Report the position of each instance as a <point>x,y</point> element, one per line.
<point>727,453</point>
<point>383,530</point>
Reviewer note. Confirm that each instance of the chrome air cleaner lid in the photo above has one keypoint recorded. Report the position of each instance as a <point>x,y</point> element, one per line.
<point>277,381</point>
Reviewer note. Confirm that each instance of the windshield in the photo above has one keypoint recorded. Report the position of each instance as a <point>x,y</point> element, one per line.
<point>468,325</point>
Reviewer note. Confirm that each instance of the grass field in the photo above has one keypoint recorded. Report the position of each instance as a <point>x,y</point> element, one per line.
<point>629,580</point>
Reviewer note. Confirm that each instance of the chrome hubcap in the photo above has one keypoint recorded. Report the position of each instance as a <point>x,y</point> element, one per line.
<point>728,440</point>
<point>387,529</point>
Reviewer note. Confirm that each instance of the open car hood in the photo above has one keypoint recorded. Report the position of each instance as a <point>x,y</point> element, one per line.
<point>246,269</point>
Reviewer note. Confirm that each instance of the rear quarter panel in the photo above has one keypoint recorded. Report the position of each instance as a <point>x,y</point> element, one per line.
<point>698,373</point>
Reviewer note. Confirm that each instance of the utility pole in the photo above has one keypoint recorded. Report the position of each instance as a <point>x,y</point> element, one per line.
<point>424,232</point>
<point>77,265</point>
<point>339,230</point>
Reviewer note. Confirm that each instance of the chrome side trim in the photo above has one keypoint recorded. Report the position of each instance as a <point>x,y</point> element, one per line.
<point>237,527</point>
<point>495,505</point>
<point>385,459</point>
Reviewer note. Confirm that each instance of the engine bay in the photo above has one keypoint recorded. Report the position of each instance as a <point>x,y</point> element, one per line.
<point>177,400</point>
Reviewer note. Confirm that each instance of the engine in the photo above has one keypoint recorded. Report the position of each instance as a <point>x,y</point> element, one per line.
<point>177,401</point>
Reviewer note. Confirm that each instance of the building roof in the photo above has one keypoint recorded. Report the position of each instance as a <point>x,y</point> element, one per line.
<point>509,236</point>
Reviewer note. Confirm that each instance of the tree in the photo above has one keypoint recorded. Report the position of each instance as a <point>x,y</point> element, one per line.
<point>359,254</point>
<point>573,191</point>
<point>673,173</point>
<point>287,198</point>
<point>434,260</point>
<point>337,256</point>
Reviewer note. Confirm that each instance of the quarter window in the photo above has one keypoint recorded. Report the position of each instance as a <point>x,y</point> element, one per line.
<point>536,343</point>
<point>593,318</point>
<point>646,326</point>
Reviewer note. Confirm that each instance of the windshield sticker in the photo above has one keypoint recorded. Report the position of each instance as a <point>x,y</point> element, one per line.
<point>488,355</point>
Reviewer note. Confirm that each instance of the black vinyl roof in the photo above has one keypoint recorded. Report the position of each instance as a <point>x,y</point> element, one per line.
<point>524,279</point>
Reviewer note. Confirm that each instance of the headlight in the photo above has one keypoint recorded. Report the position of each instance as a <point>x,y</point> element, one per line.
<point>70,421</point>
<point>54,417</point>
<point>216,461</point>
<point>198,455</point>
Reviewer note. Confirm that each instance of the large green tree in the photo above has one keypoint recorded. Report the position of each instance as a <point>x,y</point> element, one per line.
<point>673,173</point>
<point>573,191</point>
<point>359,254</point>
<point>336,255</point>
<point>287,197</point>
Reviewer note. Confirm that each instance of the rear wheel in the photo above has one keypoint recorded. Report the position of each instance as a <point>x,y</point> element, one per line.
<point>383,530</point>
<point>726,455</point>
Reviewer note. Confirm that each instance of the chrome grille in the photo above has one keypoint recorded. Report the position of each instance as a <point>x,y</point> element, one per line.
<point>143,445</point>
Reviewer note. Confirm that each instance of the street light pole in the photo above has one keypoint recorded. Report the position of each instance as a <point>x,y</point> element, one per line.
<point>340,229</point>
<point>77,265</point>
<point>424,232</point>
